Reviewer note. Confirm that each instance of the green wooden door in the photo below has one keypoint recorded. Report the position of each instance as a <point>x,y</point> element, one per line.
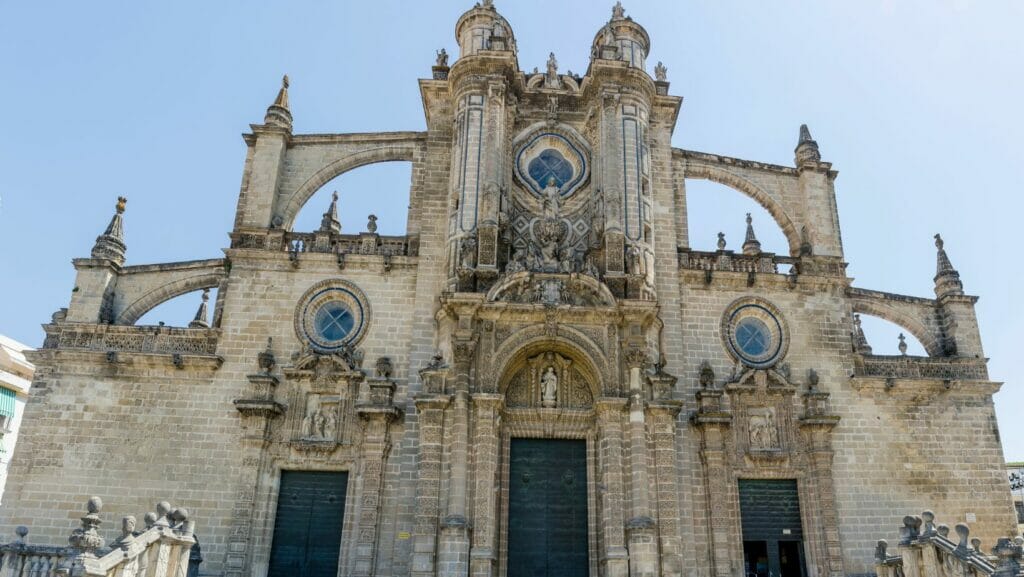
<point>307,528</point>
<point>547,508</point>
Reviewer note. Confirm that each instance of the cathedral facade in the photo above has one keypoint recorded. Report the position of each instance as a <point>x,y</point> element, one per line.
<point>540,377</point>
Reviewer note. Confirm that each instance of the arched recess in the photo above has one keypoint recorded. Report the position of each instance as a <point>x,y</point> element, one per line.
<point>712,207</point>
<point>134,311</point>
<point>741,184</point>
<point>531,341</point>
<point>911,324</point>
<point>298,199</point>
<point>381,189</point>
<point>883,337</point>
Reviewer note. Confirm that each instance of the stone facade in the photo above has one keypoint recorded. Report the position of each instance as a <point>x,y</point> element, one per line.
<point>545,288</point>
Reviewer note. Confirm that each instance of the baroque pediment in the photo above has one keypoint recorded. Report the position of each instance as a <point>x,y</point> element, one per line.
<point>551,289</point>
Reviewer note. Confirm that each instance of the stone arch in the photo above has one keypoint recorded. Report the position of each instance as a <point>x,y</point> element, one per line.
<point>754,191</point>
<point>150,300</point>
<point>533,340</point>
<point>396,152</point>
<point>911,323</point>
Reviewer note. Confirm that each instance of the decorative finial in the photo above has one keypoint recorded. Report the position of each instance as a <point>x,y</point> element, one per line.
<point>200,322</point>
<point>947,279</point>
<point>618,12</point>
<point>110,245</point>
<point>860,342</point>
<point>807,153</point>
<point>279,114</point>
<point>660,72</point>
<point>707,375</point>
<point>751,246</point>
<point>330,223</point>
<point>903,345</point>
<point>721,241</point>
<point>371,223</point>
<point>87,537</point>
<point>265,360</point>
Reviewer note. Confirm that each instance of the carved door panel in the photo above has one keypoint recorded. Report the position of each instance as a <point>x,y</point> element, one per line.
<point>547,512</point>
<point>307,528</point>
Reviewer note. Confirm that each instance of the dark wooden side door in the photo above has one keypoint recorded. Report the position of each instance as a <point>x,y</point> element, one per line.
<point>307,528</point>
<point>547,508</point>
<point>772,531</point>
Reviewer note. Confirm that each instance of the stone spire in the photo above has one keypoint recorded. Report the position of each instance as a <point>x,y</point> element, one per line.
<point>278,113</point>
<point>751,246</point>
<point>110,245</point>
<point>860,342</point>
<point>330,222</point>
<point>200,322</point>
<point>806,152</point>
<point>947,279</point>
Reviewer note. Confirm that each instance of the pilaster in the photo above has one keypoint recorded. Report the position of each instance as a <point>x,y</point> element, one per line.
<point>430,409</point>
<point>714,422</point>
<point>614,556</point>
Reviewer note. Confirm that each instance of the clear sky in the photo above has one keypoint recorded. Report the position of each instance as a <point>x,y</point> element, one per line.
<point>915,102</point>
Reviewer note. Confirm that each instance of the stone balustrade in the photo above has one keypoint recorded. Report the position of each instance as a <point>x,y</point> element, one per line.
<point>926,550</point>
<point>729,261</point>
<point>912,367</point>
<point>366,244</point>
<point>163,549</point>
<point>137,339</point>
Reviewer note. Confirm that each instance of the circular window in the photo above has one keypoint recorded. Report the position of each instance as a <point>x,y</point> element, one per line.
<point>754,334</point>
<point>332,315</point>
<point>551,153</point>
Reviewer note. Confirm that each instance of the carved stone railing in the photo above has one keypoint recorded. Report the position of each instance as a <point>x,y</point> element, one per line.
<point>163,549</point>
<point>729,261</point>
<point>136,339</point>
<point>911,367</point>
<point>925,550</point>
<point>366,243</point>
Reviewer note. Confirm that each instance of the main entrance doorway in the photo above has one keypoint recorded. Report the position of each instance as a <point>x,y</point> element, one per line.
<point>547,508</point>
<point>307,528</point>
<point>772,532</point>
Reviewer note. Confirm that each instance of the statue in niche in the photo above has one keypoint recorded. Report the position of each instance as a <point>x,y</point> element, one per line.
<point>552,199</point>
<point>634,260</point>
<point>467,252</point>
<point>763,433</point>
<point>549,387</point>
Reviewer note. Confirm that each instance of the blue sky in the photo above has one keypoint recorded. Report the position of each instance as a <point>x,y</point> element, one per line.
<point>916,102</point>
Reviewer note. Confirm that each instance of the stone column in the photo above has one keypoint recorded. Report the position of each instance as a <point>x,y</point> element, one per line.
<point>257,409</point>
<point>641,527</point>
<point>428,485</point>
<point>614,557</point>
<point>375,448</point>
<point>662,418</point>
<point>486,445</point>
<point>817,425</point>
<point>714,423</point>
<point>453,558</point>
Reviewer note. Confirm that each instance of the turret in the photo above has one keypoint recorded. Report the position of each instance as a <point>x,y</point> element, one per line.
<point>947,279</point>
<point>961,336</point>
<point>751,246</point>
<point>819,229</point>
<point>265,158</point>
<point>93,296</point>
<point>482,28</point>
<point>621,39</point>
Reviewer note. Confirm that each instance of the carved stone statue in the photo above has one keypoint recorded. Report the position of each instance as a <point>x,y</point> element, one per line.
<point>549,387</point>
<point>551,78</point>
<point>634,260</point>
<point>518,262</point>
<point>442,58</point>
<point>552,199</point>
<point>467,252</point>
<point>660,72</point>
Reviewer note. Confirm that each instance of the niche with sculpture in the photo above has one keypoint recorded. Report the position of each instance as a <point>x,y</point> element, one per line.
<point>549,381</point>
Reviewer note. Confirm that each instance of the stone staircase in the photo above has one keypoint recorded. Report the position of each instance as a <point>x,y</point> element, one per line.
<point>926,550</point>
<point>163,549</point>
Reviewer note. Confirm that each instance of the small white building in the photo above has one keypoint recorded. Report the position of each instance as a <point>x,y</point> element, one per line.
<point>15,379</point>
